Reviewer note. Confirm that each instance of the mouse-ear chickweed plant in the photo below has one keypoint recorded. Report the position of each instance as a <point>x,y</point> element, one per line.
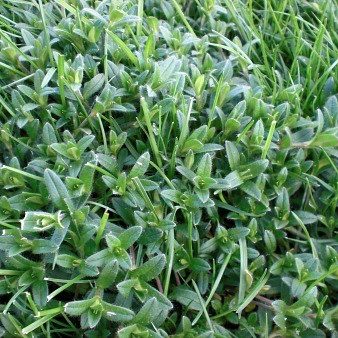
<point>168,168</point>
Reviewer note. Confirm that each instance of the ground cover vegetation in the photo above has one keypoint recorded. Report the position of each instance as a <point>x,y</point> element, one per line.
<point>168,168</point>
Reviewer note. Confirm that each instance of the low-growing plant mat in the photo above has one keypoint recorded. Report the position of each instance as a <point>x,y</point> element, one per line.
<point>168,168</point>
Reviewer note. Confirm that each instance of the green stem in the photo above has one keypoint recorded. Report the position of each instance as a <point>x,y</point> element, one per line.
<point>309,239</point>
<point>140,15</point>
<point>260,284</point>
<point>244,266</point>
<point>152,140</point>
<point>50,53</point>
<point>64,287</point>
<point>171,248</point>
<point>203,305</point>
<point>269,139</point>
<point>37,323</point>
<point>102,226</point>
<point>49,312</point>
<point>183,17</point>
<point>14,297</point>
<point>104,138</point>
<point>23,173</point>
<point>215,286</point>
<point>61,75</point>
<point>190,229</point>
<point>5,272</point>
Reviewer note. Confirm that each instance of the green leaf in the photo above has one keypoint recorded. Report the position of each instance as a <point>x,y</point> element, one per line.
<point>199,133</point>
<point>40,293</point>
<point>85,142</point>
<point>87,177</point>
<point>48,134</point>
<point>150,269</point>
<point>204,166</point>
<point>7,242</point>
<point>126,286</point>
<point>172,195</point>
<point>231,181</point>
<point>203,194</point>
<point>62,149</point>
<point>66,261</point>
<point>270,241</point>
<point>78,307</point>
<point>283,204</point>
<point>325,139</point>
<point>108,275</point>
<point>208,148</point>
<point>99,258</point>
<point>141,166</point>
<point>117,313</point>
<point>187,297</point>
<point>235,234</point>
<point>43,246</point>
<point>192,144</point>
<point>280,321</point>
<point>297,288</point>
<point>56,188</point>
<point>253,169</point>
<point>48,77</point>
<point>252,190</point>
<point>93,86</point>
<point>199,265</point>
<point>128,331</point>
<point>93,318</point>
<point>130,236</point>
<point>231,125</point>
<point>108,162</point>
<point>306,217</point>
<point>147,313</point>
<point>163,301</point>
<point>39,221</point>
<point>29,92</point>
<point>189,174</point>
<point>232,155</point>
<point>126,51</point>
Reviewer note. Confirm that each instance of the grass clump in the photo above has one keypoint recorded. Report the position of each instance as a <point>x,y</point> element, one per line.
<point>168,168</point>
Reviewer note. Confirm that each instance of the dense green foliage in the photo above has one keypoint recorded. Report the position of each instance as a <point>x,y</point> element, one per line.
<point>168,168</point>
